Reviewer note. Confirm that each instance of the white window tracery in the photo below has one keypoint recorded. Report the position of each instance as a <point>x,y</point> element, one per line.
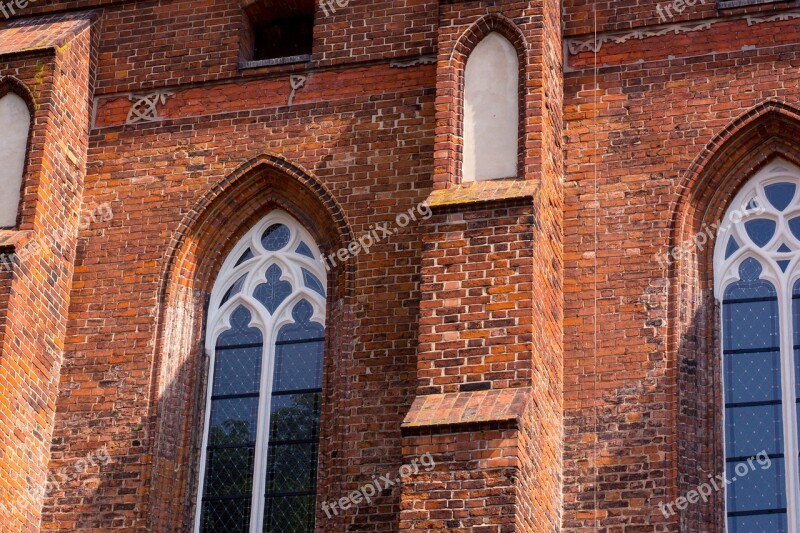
<point>265,337</point>
<point>757,282</point>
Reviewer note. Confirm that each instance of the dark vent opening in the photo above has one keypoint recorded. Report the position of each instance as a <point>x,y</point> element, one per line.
<point>278,29</point>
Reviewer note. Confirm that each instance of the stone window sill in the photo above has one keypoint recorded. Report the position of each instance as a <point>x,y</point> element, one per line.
<point>733,4</point>
<point>13,238</point>
<point>290,60</point>
<point>481,192</point>
<point>12,241</point>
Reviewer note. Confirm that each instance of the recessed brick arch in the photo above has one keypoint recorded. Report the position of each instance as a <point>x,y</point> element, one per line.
<point>199,247</point>
<point>450,86</point>
<point>769,130</point>
<point>10,84</point>
<point>30,180</point>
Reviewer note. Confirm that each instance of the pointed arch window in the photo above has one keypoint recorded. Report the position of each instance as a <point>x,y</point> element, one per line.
<point>491,110</point>
<point>15,123</point>
<point>757,281</point>
<point>265,338</point>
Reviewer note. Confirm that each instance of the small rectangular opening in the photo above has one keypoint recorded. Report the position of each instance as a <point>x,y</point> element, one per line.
<point>278,32</point>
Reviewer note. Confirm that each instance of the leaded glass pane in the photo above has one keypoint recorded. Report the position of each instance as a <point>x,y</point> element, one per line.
<point>235,289</point>
<point>773,523</point>
<point>230,473</point>
<point>794,227</point>
<point>275,238</point>
<point>233,421</point>
<point>229,515</point>
<point>732,247</point>
<point>294,423</point>
<point>240,332</point>
<point>780,194</point>
<point>291,468</point>
<point>751,429</point>
<point>312,282</point>
<point>246,256</point>
<point>303,249</point>
<point>760,230</point>
<point>294,416</point>
<point>230,448</point>
<point>303,328</point>
<point>237,370</point>
<point>756,488</point>
<point>298,366</point>
<point>753,397</point>
<point>288,448</point>
<point>753,376</point>
<point>796,352</point>
<point>274,291</point>
<point>289,514</point>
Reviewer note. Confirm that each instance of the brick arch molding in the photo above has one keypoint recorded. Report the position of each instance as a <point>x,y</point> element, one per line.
<point>750,142</point>
<point>198,248</point>
<point>453,89</point>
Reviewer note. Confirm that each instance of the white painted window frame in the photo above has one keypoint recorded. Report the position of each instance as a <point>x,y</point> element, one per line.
<point>726,272</point>
<point>218,322</point>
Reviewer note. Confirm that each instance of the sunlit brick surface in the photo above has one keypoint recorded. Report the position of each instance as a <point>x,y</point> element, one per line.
<point>524,334</point>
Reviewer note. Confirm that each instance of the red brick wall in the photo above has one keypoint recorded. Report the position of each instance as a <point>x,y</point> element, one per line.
<point>150,43</point>
<point>545,288</point>
<point>490,316</point>
<point>474,486</point>
<point>364,135</point>
<point>641,395</point>
<point>59,81</point>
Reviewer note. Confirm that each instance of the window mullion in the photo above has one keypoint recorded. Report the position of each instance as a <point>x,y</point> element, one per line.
<point>262,436</point>
<point>203,452</point>
<point>790,443</point>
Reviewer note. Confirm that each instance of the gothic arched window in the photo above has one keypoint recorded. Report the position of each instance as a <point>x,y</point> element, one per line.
<point>15,123</point>
<point>491,110</point>
<point>265,339</point>
<point>757,281</point>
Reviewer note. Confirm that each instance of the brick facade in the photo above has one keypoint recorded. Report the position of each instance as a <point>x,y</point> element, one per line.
<point>524,335</point>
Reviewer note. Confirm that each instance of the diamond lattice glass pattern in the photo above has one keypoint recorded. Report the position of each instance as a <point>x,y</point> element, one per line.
<point>275,238</point>
<point>756,265</point>
<point>289,514</point>
<point>753,393</point>
<point>796,351</point>
<point>272,293</point>
<point>230,449</point>
<point>294,426</point>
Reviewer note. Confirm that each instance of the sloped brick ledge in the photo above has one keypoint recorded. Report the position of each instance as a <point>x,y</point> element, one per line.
<point>473,407</point>
<point>11,239</point>
<point>481,192</point>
